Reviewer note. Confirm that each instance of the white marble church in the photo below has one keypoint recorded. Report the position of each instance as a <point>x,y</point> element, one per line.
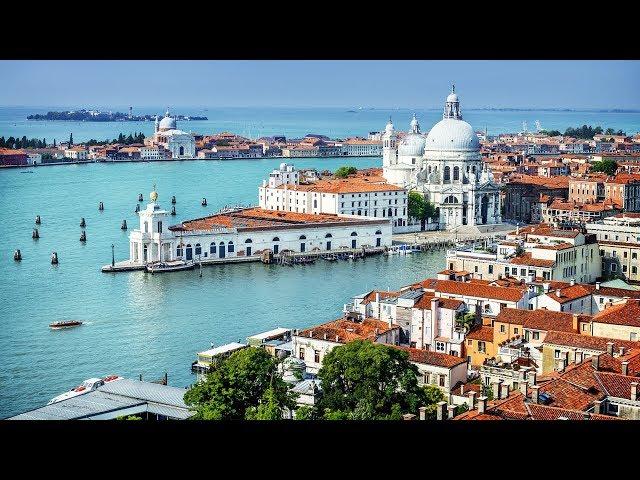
<point>446,166</point>
<point>166,134</point>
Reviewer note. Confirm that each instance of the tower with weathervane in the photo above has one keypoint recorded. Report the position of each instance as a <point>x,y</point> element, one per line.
<point>146,244</point>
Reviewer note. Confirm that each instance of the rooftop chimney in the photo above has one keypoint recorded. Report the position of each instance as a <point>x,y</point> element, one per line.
<point>634,391</point>
<point>625,368</point>
<point>532,377</point>
<point>472,400</point>
<point>441,410</point>
<point>451,411</point>
<point>423,413</point>
<point>597,406</point>
<point>482,404</point>
<point>535,393</point>
<point>610,348</point>
<point>572,282</point>
<point>595,361</point>
<point>622,351</point>
<point>578,357</point>
<point>496,389</point>
<point>377,297</point>
<point>597,285</point>
<point>523,388</point>
<point>325,335</point>
<point>546,287</point>
<point>504,390</point>
<point>558,293</point>
<point>575,322</point>
<point>310,333</point>
<point>337,338</point>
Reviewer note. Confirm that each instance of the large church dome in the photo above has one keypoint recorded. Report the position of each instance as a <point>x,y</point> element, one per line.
<point>412,145</point>
<point>168,122</point>
<point>451,134</point>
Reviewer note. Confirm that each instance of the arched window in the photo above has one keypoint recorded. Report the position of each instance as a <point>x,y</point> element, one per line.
<point>450,199</point>
<point>212,248</point>
<point>222,244</point>
<point>359,212</point>
<point>146,227</point>
<point>429,169</point>
<point>198,249</point>
<point>248,240</point>
<point>315,203</point>
<point>230,247</point>
<point>456,173</point>
<point>379,232</point>
<point>473,169</point>
<point>276,239</point>
<point>303,237</point>
<point>328,235</point>
<point>354,234</point>
<point>181,150</point>
<point>390,213</point>
<point>447,174</point>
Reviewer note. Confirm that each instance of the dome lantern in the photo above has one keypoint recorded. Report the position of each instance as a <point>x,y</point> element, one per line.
<point>452,105</point>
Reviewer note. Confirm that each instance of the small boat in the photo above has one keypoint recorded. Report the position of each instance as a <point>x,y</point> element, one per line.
<point>65,324</point>
<point>174,266</point>
<point>87,386</point>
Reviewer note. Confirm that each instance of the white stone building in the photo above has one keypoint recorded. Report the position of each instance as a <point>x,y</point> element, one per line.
<point>356,196</point>
<point>446,166</point>
<point>248,232</point>
<point>76,153</point>
<point>166,134</point>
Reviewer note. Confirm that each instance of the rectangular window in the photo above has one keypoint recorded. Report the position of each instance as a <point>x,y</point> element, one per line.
<point>301,353</point>
<point>536,335</point>
<point>316,356</point>
<point>442,380</point>
<point>490,268</point>
<point>481,347</point>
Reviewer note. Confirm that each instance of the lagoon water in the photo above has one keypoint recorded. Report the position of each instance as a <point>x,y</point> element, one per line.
<point>136,323</point>
<point>141,324</point>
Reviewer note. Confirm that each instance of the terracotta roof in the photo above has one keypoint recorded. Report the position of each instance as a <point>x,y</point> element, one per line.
<point>545,320</point>
<point>617,385</point>
<point>468,289</point>
<point>253,218</point>
<point>587,341</point>
<point>343,330</point>
<point>527,260</point>
<point>484,334</point>
<point>570,293</point>
<point>371,296</point>
<point>627,313</point>
<point>427,357</point>
<point>549,182</point>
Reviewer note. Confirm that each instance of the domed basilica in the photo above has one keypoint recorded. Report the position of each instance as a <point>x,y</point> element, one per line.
<point>166,134</point>
<point>446,167</point>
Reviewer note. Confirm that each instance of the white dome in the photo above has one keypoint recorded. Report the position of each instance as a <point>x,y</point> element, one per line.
<point>412,145</point>
<point>452,97</point>
<point>168,123</point>
<point>451,134</point>
<point>389,128</point>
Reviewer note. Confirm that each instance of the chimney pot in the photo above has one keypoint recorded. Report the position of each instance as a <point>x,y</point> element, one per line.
<point>472,400</point>
<point>441,410</point>
<point>625,368</point>
<point>558,293</point>
<point>337,338</point>
<point>482,404</point>
<point>423,413</point>
<point>451,411</point>
<point>497,389</point>
<point>595,362</point>
<point>532,377</point>
<point>578,357</point>
<point>535,393</point>
<point>310,333</point>
<point>622,351</point>
<point>505,390</point>
<point>523,388</point>
<point>597,406</point>
<point>597,285</point>
<point>610,348</point>
<point>572,282</point>
<point>634,391</point>
<point>325,335</point>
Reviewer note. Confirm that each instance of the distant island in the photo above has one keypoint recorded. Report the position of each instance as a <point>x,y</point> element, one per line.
<point>96,116</point>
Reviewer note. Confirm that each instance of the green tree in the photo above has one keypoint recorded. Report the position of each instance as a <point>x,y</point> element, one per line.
<point>466,320</point>
<point>551,133</point>
<point>609,131</point>
<point>345,171</point>
<point>419,208</point>
<point>71,139</point>
<point>368,381</point>
<point>607,166</point>
<point>305,412</point>
<point>245,385</point>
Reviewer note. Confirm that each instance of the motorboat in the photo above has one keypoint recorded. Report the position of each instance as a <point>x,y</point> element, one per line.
<point>174,266</point>
<point>87,386</point>
<point>65,324</point>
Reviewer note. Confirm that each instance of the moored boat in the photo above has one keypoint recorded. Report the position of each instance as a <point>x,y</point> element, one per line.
<point>175,266</point>
<point>65,324</point>
<point>87,386</point>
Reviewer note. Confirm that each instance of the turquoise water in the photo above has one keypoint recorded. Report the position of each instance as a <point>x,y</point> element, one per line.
<point>334,122</point>
<point>137,323</point>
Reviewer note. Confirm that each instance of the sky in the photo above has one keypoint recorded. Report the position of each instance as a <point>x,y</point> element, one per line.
<point>346,83</point>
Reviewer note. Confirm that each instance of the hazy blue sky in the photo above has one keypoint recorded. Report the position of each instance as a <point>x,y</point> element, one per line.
<point>422,84</point>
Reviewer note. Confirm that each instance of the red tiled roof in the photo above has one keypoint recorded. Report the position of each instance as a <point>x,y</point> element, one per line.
<point>468,289</point>
<point>484,334</point>
<point>570,293</point>
<point>371,296</point>
<point>587,342</point>
<point>528,260</point>
<point>344,331</point>
<point>545,320</point>
<point>427,357</point>
<point>627,313</point>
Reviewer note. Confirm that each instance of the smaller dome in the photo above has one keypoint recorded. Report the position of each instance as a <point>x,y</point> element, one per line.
<point>389,128</point>
<point>452,98</point>
<point>412,145</point>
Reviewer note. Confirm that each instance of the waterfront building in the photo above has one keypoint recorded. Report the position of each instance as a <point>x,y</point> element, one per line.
<point>365,194</point>
<point>539,251</point>
<point>178,143</point>
<point>248,232</point>
<point>34,158</point>
<point>619,242</point>
<point>11,157</point>
<point>358,147</point>
<point>76,153</point>
<point>446,167</point>
<point>579,298</point>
